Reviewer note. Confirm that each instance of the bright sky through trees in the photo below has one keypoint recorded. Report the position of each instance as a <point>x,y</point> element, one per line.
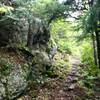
<point>65,0</point>
<point>61,1</point>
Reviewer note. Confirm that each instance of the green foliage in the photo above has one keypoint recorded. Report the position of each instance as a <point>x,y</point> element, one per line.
<point>87,54</point>
<point>88,24</point>
<point>64,35</point>
<point>43,9</point>
<point>90,71</point>
<point>64,46</point>
<point>88,60</point>
<point>5,67</point>
<point>60,68</point>
<point>88,21</point>
<point>5,9</point>
<point>48,8</point>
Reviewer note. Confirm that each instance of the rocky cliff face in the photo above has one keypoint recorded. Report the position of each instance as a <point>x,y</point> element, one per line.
<point>15,62</point>
<point>21,32</point>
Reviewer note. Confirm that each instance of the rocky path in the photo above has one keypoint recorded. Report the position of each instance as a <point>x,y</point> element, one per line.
<point>72,78</point>
<point>67,89</point>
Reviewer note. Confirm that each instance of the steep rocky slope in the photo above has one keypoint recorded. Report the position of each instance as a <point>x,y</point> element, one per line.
<point>21,54</point>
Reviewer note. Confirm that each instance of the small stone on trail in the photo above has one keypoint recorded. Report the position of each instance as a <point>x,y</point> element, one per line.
<point>71,87</point>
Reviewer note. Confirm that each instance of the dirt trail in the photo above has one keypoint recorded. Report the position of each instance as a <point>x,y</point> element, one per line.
<point>73,75</point>
<point>68,89</point>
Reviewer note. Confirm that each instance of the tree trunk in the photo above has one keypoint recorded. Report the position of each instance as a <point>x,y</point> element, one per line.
<point>90,3</point>
<point>29,37</point>
<point>94,49</point>
<point>97,32</point>
<point>98,46</point>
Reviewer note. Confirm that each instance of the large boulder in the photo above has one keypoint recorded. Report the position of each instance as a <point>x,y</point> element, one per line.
<point>21,32</point>
<point>15,71</point>
<point>13,76</point>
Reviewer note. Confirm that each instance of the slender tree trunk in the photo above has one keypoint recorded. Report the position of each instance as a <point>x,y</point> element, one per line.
<point>90,2</point>
<point>98,46</point>
<point>97,32</point>
<point>94,49</point>
<point>29,37</point>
